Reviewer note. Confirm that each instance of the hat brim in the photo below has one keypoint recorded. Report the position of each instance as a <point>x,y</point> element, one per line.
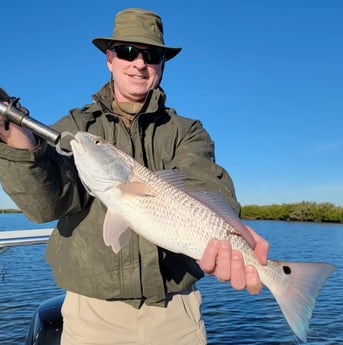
<point>103,43</point>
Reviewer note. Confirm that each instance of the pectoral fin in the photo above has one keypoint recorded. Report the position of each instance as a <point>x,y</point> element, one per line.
<point>116,231</point>
<point>135,189</point>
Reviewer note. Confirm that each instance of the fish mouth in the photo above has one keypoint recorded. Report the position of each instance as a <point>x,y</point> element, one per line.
<point>76,146</point>
<point>76,143</point>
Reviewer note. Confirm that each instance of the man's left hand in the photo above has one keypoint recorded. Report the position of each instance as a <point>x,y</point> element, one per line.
<point>226,264</point>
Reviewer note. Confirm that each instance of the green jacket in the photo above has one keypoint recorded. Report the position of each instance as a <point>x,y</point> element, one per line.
<point>46,186</point>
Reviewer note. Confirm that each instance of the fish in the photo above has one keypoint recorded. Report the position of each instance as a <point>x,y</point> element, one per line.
<point>157,206</point>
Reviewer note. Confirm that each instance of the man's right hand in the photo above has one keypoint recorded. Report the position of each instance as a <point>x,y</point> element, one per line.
<point>16,136</point>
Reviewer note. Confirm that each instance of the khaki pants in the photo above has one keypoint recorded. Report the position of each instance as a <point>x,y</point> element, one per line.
<point>96,322</point>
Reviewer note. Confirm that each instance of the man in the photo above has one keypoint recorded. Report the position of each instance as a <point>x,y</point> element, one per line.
<point>145,294</point>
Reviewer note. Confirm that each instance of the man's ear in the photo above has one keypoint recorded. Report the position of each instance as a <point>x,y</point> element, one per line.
<point>109,58</point>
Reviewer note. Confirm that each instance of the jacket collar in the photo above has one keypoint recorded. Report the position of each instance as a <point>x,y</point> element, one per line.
<point>154,101</point>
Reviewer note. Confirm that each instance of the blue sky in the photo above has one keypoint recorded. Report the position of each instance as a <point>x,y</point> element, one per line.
<point>265,77</point>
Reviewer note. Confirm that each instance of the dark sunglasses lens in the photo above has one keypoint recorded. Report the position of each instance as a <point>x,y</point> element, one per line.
<point>152,56</point>
<point>129,53</point>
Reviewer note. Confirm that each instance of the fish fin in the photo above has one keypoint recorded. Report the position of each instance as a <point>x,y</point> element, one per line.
<point>174,177</point>
<point>116,231</point>
<point>212,200</point>
<point>135,189</point>
<point>297,295</point>
<point>217,203</point>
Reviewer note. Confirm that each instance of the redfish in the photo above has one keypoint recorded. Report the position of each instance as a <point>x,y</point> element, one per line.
<point>157,206</point>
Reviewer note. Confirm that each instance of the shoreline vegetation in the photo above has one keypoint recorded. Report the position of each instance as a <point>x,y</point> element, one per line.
<point>10,210</point>
<point>304,211</point>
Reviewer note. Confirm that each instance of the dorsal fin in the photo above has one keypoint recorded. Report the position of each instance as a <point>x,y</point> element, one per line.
<point>216,203</point>
<point>174,177</point>
<point>212,200</point>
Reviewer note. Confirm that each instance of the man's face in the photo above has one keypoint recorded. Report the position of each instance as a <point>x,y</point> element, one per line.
<point>133,79</point>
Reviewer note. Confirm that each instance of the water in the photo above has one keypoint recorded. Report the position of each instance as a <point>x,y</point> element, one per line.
<point>25,281</point>
<point>231,317</point>
<point>234,317</point>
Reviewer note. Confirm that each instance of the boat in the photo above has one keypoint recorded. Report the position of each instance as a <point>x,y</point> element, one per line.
<point>23,237</point>
<point>46,324</point>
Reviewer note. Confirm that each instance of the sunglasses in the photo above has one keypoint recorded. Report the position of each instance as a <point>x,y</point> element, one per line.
<point>129,53</point>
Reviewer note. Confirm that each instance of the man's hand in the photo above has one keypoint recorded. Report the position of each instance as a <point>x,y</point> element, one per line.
<point>16,136</point>
<point>227,265</point>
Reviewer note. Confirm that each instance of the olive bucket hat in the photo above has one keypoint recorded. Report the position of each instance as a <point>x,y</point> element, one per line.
<point>135,25</point>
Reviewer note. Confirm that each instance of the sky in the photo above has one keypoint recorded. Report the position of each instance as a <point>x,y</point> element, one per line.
<point>265,77</point>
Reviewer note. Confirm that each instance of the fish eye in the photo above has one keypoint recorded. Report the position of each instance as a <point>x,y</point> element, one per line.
<point>98,141</point>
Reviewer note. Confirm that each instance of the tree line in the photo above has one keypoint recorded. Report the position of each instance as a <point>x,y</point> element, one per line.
<point>10,210</point>
<point>304,211</point>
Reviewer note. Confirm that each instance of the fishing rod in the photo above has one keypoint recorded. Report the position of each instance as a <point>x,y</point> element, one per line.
<point>12,111</point>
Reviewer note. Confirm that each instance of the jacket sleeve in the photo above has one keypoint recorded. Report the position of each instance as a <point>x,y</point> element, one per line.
<point>194,155</point>
<point>42,183</point>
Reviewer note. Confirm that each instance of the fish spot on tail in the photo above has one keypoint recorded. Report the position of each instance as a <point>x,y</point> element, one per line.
<point>286,269</point>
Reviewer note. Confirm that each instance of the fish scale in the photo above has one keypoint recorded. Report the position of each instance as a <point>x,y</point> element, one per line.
<point>156,206</point>
<point>185,225</point>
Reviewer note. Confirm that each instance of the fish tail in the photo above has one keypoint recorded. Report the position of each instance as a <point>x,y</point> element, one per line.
<point>296,293</point>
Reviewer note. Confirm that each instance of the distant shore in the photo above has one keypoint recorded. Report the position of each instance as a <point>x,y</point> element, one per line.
<point>10,210</point>
<point>305,211</point>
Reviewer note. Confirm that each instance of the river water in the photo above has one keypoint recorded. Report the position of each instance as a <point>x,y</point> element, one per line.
<point>231,317</point>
